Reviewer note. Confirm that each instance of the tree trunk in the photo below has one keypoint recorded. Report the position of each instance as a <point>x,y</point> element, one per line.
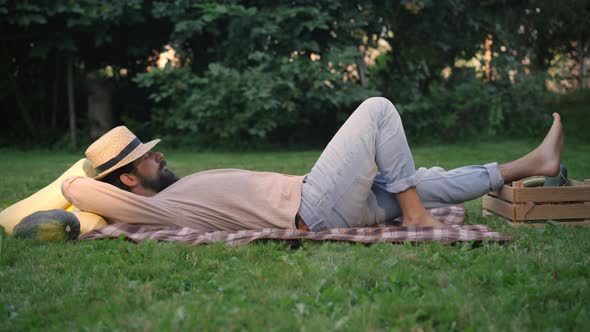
<point>71,104</point>
<point>100,110</point>
<point>581,61</point>
<point>361,66</point>
<point>23,109</point>
<point>55,93</point>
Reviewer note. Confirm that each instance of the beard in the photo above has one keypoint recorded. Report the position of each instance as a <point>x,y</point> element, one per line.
<point>163,181</point>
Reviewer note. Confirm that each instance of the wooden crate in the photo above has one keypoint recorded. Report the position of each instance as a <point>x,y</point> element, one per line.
<point>569,205</point>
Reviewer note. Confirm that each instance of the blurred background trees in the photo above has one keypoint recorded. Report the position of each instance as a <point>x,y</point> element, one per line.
<point>282,73</point>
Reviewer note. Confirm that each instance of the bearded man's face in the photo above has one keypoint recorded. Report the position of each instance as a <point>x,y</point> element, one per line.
<point>160,181</point>
<point>152,172</point>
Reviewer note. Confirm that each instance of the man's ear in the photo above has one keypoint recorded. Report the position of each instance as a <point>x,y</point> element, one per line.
<point>129,180</point>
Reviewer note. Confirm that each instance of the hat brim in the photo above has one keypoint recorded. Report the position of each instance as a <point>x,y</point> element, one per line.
<point>139,151</point>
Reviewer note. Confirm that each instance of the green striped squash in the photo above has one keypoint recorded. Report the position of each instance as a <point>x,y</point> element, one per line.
<point>50,225</point>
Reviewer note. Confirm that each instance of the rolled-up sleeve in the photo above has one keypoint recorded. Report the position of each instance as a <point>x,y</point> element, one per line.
<point>115,204</point>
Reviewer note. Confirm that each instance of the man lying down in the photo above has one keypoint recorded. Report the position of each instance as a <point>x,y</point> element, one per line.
<point>365,176</point>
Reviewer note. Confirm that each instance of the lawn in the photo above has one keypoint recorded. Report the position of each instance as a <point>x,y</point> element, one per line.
<point>538,281</point>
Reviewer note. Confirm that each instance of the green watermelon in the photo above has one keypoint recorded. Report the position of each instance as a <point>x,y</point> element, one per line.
<point>559,180</point>
<point>50,225</point>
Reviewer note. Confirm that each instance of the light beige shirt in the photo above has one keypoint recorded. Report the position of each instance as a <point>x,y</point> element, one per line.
<point>223,199</point>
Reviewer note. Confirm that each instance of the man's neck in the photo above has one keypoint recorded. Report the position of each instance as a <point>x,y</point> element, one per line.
<point>140,190</point>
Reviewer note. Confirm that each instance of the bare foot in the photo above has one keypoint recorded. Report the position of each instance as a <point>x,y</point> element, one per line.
<point>422,220</point>
<point>544,160</point>
<point>546,157</point>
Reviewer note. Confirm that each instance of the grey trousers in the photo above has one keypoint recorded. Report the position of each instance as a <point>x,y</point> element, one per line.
<point>356,178</point>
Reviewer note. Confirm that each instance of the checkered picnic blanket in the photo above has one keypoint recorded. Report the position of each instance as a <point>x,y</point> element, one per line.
<point>452,216</point>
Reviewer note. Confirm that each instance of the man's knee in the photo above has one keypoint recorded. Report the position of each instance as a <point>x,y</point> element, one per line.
<point>381,107</point>
<point>378,101</point>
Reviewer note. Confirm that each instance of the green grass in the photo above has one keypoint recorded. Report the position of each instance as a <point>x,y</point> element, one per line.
<point>538,281</point>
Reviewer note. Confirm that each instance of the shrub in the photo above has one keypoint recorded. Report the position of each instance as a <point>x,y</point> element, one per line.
<point>471,107</point>
<point>281,102</point>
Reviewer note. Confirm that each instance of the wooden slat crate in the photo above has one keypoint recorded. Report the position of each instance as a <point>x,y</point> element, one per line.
<point>569,205</point>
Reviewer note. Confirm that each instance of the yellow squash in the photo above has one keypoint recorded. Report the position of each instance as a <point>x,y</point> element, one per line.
<point>88,220</point>
<point>50,198</point>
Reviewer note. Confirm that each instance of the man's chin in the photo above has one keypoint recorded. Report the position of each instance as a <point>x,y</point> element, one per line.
<point>166,179</point>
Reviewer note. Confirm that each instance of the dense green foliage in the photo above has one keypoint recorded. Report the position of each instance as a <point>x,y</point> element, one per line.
<point>537,281</point>
<point>261,79</point>
<point>283,100</point>
<point>472,107</point>
<point>287,72</point>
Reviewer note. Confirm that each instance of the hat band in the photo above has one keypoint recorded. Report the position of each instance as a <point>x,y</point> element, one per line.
<point>130,147</point>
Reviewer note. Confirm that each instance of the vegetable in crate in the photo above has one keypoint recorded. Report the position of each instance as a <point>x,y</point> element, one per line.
<point>534,181</point>
<point>50,225</point>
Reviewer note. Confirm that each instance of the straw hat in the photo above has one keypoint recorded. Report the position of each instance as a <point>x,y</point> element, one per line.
<point>115,149</point>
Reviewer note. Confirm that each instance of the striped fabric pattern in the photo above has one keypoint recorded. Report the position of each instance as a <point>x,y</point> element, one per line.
<point>453,217</point>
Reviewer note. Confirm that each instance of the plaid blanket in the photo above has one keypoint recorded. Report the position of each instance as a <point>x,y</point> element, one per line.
<point>452,216</point>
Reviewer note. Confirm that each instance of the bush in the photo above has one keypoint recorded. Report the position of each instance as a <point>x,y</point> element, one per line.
<point>472,107</point>
<point>270,102</point>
